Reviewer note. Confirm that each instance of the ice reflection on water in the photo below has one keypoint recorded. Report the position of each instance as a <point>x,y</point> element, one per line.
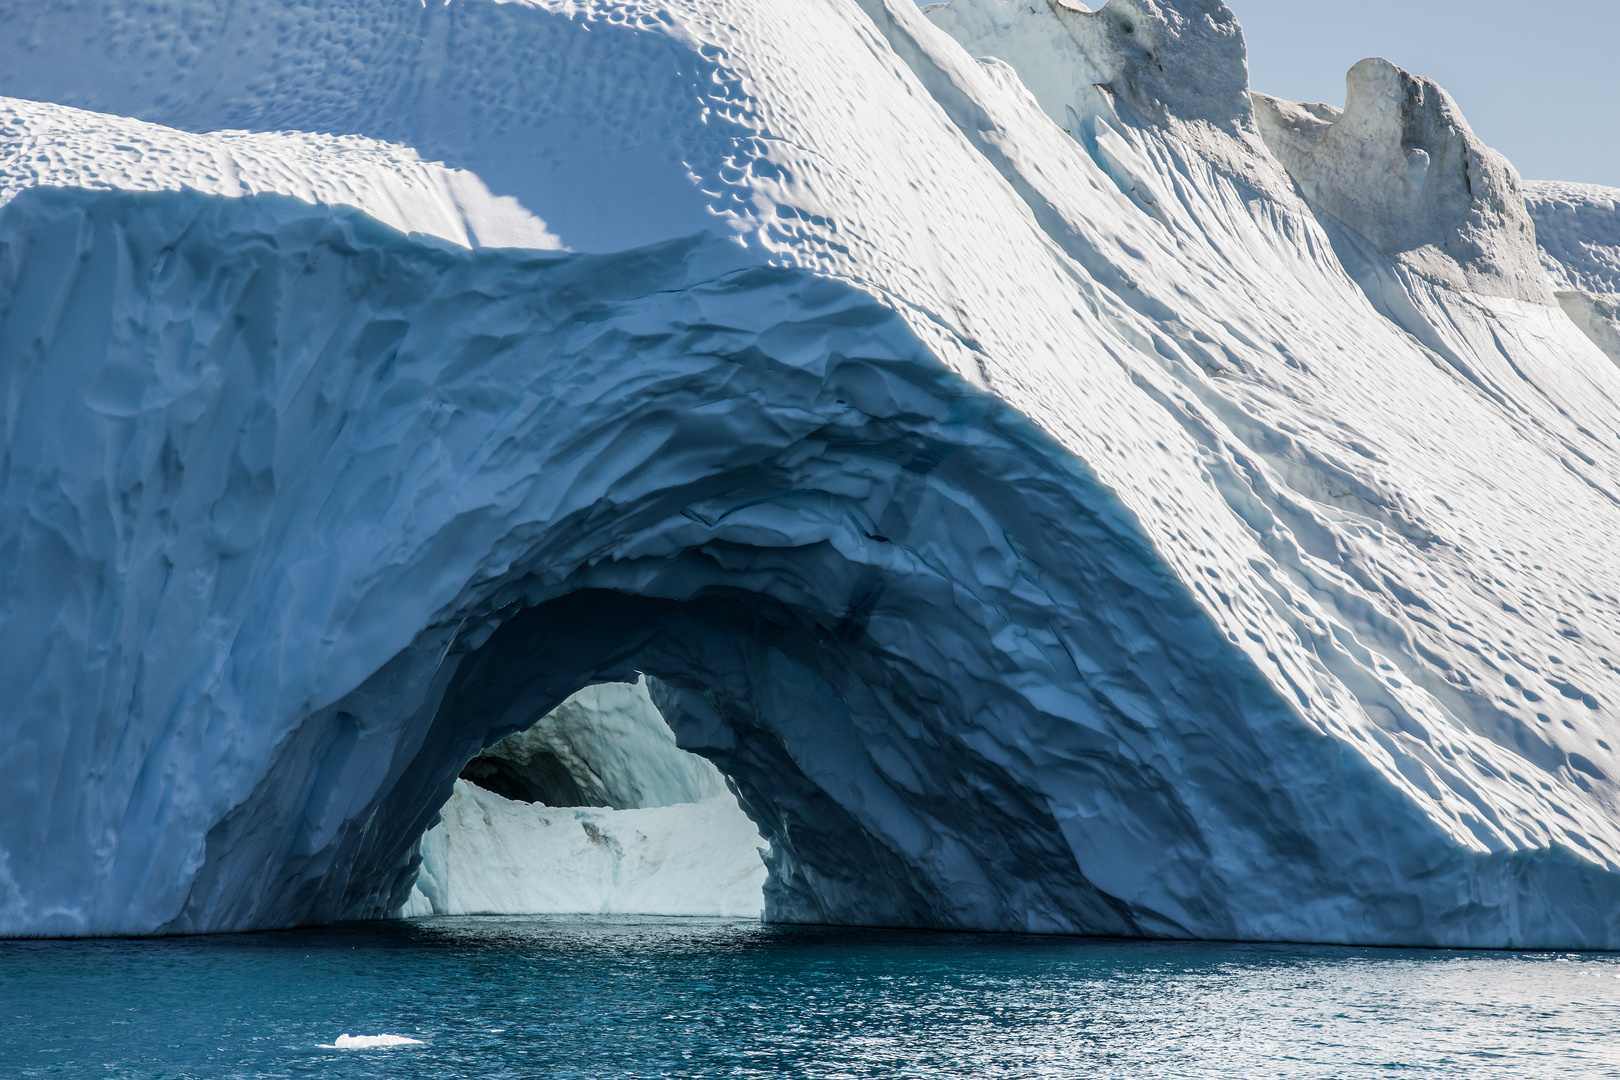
<point>644,997</point>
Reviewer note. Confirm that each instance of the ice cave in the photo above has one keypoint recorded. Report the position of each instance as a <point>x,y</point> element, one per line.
<point>971,467</point>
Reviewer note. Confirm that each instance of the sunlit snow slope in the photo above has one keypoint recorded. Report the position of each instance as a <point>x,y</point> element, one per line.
<point>1058,490</point>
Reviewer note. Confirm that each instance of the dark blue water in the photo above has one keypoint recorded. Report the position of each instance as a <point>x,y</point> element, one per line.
<point>642,997</point>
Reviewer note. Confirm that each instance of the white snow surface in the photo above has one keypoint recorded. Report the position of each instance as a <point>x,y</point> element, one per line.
<point>49,145</point>
<point>1578,228</point>
<point>1044,521</point>
<point>492,856</point>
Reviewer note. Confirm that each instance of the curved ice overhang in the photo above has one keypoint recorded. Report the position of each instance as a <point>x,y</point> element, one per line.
<point>421,517</point>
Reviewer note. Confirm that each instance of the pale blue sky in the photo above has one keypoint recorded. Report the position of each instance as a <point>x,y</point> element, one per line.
<point>1538,81</point>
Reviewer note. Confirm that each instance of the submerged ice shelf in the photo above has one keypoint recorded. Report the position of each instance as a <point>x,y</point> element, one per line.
<point>1057,489</point>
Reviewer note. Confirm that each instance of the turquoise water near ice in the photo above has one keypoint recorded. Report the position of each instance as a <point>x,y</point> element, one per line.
<point>588,997</point>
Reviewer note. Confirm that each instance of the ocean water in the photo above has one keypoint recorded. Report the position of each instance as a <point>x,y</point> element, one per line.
<point>566,997</point>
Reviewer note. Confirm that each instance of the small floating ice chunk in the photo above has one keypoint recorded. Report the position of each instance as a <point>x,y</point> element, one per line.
<point>358,1042</point>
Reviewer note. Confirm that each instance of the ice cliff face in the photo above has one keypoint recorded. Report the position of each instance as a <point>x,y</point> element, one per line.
<point>492,856</point>
<point>1041,484</point>
<point>1578,228</point>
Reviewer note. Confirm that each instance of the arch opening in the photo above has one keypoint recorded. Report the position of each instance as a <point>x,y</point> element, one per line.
<point>845,758</point>
<point>941,669</point>
<point>593,809</point>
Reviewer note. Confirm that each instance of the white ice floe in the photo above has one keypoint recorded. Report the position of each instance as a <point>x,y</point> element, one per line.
<point>361,1042</point>
<point>1056,492</point>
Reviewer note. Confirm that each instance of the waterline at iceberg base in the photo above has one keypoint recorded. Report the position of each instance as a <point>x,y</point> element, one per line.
<point>1058,490</point>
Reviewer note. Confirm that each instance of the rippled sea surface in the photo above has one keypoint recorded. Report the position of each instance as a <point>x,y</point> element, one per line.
<point>644,997</point>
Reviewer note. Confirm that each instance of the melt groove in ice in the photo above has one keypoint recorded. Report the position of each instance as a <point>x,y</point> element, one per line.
<point>1041,485</point>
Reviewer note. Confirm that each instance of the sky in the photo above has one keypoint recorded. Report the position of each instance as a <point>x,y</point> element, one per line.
<point>1540,82</point>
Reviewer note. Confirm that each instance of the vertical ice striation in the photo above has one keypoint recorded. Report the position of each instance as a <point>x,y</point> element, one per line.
<point>1056,490</point>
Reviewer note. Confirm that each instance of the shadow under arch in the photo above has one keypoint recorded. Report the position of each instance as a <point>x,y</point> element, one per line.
<point>784,704</point>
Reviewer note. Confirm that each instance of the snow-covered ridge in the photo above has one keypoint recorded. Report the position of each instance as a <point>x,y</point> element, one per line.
<point>55,146</point>
<point>1013,489</point>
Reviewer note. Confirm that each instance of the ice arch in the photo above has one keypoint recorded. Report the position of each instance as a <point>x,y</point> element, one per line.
<point>954,683</point>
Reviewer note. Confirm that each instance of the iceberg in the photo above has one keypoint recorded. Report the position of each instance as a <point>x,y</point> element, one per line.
<point>363,1042</point>
<point>490,855</point>
<point>607,745</point>
<point>593,810</point>
<point>1057,490</point>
